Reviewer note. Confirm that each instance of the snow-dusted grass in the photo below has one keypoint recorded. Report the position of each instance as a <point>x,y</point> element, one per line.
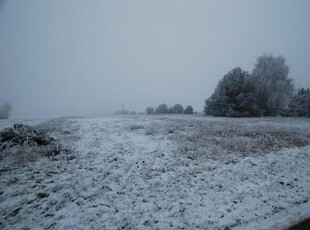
<point>213,138</point>
<point>165,172</point>
<point>8,123</point>
<point>21,144</point>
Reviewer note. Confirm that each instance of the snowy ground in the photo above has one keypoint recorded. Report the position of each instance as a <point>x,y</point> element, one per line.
<point>164,172</point>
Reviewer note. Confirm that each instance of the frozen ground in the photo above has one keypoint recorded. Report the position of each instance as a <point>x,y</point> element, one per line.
<point>164,172</point>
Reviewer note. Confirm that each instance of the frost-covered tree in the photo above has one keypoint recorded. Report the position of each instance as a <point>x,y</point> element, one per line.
<point>171,110</point>
<point>273,86</point>
<point>178,108</point>
<point>150,110</point>
<point>189,110</point>
<point>162,109</point>
<point>5,110</point>
<point>233,96</point>
<point>299,105</point>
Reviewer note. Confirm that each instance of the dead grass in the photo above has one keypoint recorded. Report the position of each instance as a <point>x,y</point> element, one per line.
<point>215,138</point>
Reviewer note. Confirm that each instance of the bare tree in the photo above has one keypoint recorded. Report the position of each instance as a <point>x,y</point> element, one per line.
<point>5,110</point>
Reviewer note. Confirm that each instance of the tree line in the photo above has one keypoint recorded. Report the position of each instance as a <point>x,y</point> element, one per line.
<point>164,109</point>
<point>267,91</point>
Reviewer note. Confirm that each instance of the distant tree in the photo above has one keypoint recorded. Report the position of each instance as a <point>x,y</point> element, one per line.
<point>178,108</point>
<point>150,110</point>
<point>162,109</point>
<point>5,110</point>
<point>233,96</point>
<point>299,105</point>
<point>273,87</point>
<point>133,113</point>
<point>171,110</point>
<point>123,112</point>
<point>189,110</point>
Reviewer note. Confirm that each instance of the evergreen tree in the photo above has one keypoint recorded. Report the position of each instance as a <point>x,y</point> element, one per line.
<point>233,96</point>
<point>300,104</point>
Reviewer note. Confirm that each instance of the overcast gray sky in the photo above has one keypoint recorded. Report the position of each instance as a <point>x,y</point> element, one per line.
<point>89,57</point>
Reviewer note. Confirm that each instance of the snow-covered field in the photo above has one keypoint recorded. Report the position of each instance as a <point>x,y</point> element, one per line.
<point>163,172</point>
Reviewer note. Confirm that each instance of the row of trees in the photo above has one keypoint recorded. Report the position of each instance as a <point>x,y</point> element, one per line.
<point>164,109</point>
<point>268,91</point>
<point>125,112</point>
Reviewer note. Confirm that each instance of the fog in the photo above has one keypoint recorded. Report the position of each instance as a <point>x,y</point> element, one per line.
<point>63,58</point>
